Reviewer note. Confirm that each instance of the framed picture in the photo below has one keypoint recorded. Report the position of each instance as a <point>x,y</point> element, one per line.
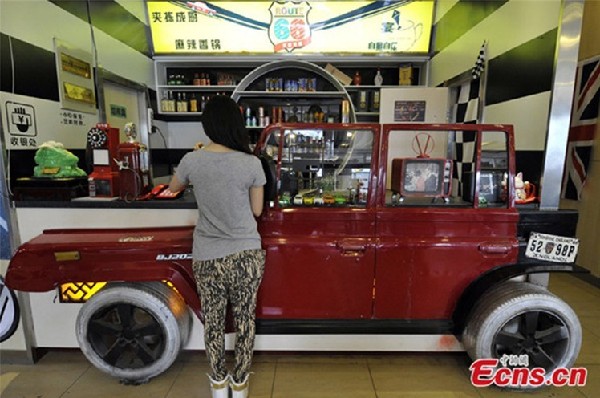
<point>409,111</point>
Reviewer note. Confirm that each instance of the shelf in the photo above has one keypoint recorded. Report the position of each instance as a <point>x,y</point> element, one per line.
<point>181,113</point>
<point>196,88</point>
<point>252,71</point>
<point>362,87</point>
<point>295,94</point>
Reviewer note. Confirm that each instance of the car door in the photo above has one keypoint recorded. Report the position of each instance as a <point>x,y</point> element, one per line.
<point>434,241</point>
<point>319,229</point>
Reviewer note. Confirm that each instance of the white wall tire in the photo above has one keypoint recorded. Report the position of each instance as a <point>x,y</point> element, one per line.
<point>133,331</point>
<point>518,318</point>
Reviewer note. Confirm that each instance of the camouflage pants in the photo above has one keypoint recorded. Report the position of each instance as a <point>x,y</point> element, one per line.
<point>234,279</point>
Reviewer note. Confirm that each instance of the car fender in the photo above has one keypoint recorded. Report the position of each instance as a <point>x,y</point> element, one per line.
<point>33,273</point>
<point>497,275</point>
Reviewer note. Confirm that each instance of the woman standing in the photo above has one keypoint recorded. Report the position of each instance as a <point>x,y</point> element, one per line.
<point>228,261</point>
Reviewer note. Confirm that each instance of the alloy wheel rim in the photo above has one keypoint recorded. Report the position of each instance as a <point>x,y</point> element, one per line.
<point>541,335</point>
<point>126,336</point>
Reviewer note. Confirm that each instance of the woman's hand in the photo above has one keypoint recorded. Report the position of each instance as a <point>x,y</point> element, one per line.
<point>175,185</point>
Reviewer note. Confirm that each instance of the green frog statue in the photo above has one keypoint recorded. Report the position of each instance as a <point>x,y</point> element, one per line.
<point>54,161</point>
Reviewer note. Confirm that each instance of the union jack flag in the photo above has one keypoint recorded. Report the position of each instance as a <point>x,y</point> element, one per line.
<point>584,117</point>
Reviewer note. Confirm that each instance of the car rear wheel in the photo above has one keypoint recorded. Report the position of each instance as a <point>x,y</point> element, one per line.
<point>517,319</point>
<point>133,331</point>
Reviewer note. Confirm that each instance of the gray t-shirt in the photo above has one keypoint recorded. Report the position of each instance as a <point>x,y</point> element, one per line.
<point>222,182</point>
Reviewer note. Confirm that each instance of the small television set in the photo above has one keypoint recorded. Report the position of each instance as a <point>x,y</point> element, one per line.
<point>421,177</point>
<point>490,185</point>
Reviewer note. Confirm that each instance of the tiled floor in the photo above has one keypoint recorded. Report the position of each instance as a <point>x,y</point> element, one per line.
<point>424,375</point>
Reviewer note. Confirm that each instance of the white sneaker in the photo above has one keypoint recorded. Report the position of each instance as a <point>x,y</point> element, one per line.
<point>219,389</point>
<point>239,390</point>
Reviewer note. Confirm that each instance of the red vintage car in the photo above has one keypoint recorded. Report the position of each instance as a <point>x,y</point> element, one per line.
<point>423,237</point>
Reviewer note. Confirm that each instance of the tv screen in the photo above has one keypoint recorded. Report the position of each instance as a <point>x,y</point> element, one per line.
<point>421,176</point>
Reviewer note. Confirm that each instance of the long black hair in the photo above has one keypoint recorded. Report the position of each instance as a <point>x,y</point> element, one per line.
<point>224,124</point>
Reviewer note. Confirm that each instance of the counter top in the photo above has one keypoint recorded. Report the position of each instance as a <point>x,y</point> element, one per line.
<point>187,201</point>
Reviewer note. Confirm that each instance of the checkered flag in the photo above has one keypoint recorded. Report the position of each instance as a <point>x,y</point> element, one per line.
<point>467,107</point>
<point>480,63</point>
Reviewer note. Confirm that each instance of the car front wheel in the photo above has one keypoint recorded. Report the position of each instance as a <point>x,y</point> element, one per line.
<point>133,331</point>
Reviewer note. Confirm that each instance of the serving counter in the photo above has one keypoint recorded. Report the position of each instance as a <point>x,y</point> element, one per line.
<point>54,322</point>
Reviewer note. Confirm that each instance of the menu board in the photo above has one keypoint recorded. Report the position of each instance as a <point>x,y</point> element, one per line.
<point>264,27</point>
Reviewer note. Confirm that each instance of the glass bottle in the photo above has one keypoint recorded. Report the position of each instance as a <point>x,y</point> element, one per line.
<point>357,79</point>
<point>184,103</point>
<point>378,78</point>
<point>171,101</point>
<point>164,102</point>
<point>179,103</point>
<point>376,101</point>
<point>193,103</point>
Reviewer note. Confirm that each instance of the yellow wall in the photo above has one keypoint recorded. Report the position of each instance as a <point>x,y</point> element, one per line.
<point>588,230</point>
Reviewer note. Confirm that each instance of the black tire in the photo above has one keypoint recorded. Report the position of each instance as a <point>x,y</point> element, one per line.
<point>9,311</point>
<point>133,331</point>
<point>517,318</point>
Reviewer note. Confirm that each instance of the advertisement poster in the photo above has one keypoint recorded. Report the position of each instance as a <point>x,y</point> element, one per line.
<point>262,27</point>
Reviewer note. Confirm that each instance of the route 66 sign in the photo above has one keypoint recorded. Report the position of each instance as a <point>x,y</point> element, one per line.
<point>289,28</point>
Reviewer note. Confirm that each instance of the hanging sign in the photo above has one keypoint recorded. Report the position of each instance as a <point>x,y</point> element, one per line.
<point>298,27</point>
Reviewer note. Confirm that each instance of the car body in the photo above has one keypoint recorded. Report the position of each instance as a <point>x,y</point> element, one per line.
<point>373,264</point>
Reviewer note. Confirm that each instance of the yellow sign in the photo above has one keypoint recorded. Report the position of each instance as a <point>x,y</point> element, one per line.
<point>78,93</point>
<point>75,66</point>
<point>269,27</point>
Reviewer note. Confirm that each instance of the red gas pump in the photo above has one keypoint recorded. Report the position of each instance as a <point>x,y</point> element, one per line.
<point>103,141</point>
<point>133,173</point>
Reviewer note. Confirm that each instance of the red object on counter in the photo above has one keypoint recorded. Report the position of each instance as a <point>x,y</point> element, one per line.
<point>103,141</point>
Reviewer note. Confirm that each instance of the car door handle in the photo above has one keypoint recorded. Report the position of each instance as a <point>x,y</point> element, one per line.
<point>351,247</point>
<point>495,248</point>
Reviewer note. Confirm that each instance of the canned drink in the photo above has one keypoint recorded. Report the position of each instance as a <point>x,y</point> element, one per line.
<point>302,84</point>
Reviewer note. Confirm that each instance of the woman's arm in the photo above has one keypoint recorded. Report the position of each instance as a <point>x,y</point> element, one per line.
<point>175,185</point>
<point>257,195</point>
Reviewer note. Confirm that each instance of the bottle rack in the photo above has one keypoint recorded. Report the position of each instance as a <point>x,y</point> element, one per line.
<point>321,99</point>
<point>249,82</point>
